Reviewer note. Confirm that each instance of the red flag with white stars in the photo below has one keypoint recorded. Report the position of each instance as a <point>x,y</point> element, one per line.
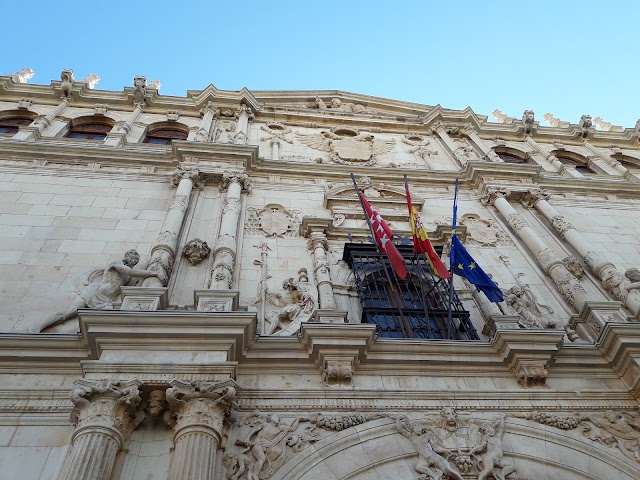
<point>384,239</point>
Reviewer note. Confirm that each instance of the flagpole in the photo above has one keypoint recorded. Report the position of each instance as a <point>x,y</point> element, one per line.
<point>384,266</point>
<point>423,297</point>
<point>453,234</point>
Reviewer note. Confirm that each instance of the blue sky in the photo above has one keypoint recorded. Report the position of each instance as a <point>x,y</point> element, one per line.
<point>563,57</point>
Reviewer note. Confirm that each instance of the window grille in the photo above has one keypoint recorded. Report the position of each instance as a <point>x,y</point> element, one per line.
<point>413,308</point>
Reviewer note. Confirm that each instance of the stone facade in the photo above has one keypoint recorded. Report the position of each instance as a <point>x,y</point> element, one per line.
<point>230,344</point>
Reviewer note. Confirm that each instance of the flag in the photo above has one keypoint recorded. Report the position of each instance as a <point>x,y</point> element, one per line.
<point>464,265</point>
<point>384,238</point>
<point>421,243</point>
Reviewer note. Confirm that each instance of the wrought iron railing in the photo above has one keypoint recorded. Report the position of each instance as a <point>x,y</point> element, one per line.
<point>416,307</point>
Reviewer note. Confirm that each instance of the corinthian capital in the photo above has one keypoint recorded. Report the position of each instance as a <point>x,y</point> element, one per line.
<point>204,404</point>
<point>235,176</point>
<point>106,404</point>
<point>209,108</point>
<point>244,109</point>
<point>468,130</point>
<point>438,127</point>
<point>189,173</point>
<point>492,194</point>
<point>534,195</point>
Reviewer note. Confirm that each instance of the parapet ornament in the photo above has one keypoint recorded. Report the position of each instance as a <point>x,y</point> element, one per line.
<point>67,82</point>
<point>91,80</point>
<point>139,90</point>
<point>23,76</point>
<point>528,121</point>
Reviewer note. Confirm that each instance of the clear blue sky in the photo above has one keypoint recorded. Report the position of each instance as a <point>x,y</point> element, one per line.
<point>563,57</point>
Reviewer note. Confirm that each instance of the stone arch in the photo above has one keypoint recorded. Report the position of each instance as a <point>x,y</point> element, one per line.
<point>167,130</point>
<point>519,156</point>
<point>376,451</point>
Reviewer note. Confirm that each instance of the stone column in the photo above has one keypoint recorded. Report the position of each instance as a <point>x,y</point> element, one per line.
<point>570,288</point>
<point>612,162</point>
<point>488,152</point>
<point>552,159</point>
<point>612,280</point>
<point>198,413</point>
<point>224,252</point>
<point>440,129</point>
<point>118,136</point>
<point>318,244</point>
<point>243,114</point>
<point>104,416</point>
<point>163,253</point>
<point>206,124</point>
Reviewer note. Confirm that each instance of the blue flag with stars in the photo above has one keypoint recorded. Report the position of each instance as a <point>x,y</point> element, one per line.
<point>464,265</point>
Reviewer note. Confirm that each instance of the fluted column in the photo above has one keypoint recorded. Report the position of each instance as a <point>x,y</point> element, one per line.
<point>488,152</point>
<point>206,124</point>
<point>198,413</point>
<point>163,253</point>
<point>104,415</point>
<point>612,280</point>
<point>243,114</point>
<point>440,129</point>
<point>224,252</point>
<point>318,244</point>
<point>568,285</point>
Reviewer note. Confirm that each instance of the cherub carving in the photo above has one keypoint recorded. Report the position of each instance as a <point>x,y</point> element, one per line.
<point>429,456</point>
<point>490,448</point>
<point>101,287</point>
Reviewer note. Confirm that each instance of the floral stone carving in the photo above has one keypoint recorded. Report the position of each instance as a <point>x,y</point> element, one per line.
<point>196,250</point>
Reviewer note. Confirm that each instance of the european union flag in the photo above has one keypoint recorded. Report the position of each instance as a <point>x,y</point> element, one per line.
<point>464,265</point>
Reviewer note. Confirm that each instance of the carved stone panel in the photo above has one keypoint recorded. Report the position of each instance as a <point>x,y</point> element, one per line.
<point>272,221</point>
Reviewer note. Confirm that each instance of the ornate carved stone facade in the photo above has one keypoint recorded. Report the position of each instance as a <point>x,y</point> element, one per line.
<point>238,339</point>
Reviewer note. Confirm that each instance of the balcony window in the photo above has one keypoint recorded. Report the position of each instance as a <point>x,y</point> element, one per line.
<point>413,308</point>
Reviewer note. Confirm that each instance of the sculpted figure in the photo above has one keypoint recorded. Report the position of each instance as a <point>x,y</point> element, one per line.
<point>429,456</point>
<point>521,300</point>
<point>633,275</point>
<point>296,305</point>
<point>103,287</point>
<point>491,460</point>
<point>320,105</point>
<point>23,76</point>
<point>616,429</point>
<point>263,441</point>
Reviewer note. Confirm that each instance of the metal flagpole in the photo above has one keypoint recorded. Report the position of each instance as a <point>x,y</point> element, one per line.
<point>453,234</point>
<point>416,256</point>
<point>406,325</point>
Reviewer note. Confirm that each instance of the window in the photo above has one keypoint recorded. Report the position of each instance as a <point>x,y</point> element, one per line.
<point>579,166</point>
<point>12,125</point>
<point>511,158</point>
<point>89,131</point>
<point>413,308</point>
<point>164,136</point>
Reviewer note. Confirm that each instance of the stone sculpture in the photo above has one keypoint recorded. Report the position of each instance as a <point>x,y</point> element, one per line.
<point>23,76</point>
<point>225,132</point>
<point>272,221</point>
<point>528,119</point>
<point>196,250</point>
<point>347,146</point>
<point>67,82</point>
<point>101,287</point>
<point>521,300</point>
<point>155,83</point>
<point>139,90</point>
<point>91,80</point>
<point>337,104</point>
<point>490,451</point>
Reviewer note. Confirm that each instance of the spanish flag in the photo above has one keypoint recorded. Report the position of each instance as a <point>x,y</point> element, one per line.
<point>421,243</point>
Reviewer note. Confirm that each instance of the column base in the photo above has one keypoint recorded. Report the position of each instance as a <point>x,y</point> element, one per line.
<point>144,298</point>
<point>593,317</point>
<point>216,300</point>
<point>500,322</point>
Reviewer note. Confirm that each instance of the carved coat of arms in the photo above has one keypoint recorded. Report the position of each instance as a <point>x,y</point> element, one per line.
<point>347,145</point>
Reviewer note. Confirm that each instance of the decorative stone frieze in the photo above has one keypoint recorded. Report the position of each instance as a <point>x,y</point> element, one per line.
<point>198,413</point>
<point>105,413</point>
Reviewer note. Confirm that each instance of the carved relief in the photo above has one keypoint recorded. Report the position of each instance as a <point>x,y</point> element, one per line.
<point>521,301</point>
<point>561,225</point>
<point>528,120</point>
<point>491,194</point>
<point>225,132</point>
<point>100,109</point>
<point>196,250</point>
<point>484,232</point>
<point>337,372</point>
<point>275,130</point>
<point>66,76</point>
<point>139,90</point>
<point>235,176</point>
<point>574,266</point>
<point>516,222</point>
<point>336,104</point>
<point>25,103</point>
<point>273,221</point>
<point>420,146</point>
<point>347,145</point>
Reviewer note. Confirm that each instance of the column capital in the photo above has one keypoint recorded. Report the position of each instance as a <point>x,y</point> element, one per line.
<point>245,109</point>
<point>235,176</point>
<point>468,130</point>
<point>561,225</point>
<point>439,127</point>
<point>204,405</point>
<point>491,194</point>
<point>209,108</point>
<point>192,174</point>
<point>317,239</point>
<point>106,404</point>
<point>534,195</point>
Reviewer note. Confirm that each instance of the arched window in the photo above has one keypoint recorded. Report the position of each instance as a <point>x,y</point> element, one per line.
<point>629,163</point>
<point>511,158</point>
<point>11,121</point>
<point>89,128</point>
<point>12,125</point>
<point>580,167</point>
<point>164,134</point>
